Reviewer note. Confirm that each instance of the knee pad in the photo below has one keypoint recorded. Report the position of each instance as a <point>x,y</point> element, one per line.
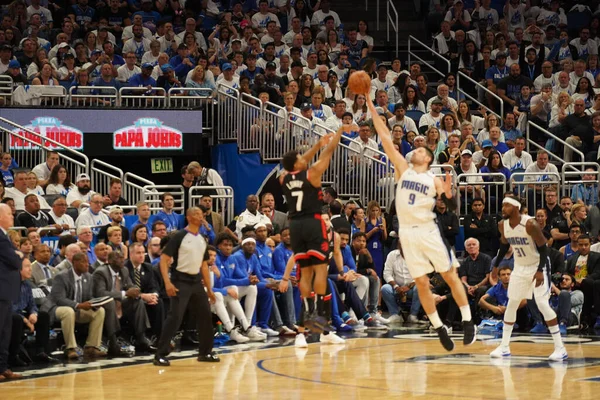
<point>510,315</point>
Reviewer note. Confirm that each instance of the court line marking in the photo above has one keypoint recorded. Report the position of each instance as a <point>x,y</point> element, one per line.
<point>260,365</point>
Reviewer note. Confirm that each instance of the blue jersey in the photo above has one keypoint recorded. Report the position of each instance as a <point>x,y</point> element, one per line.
<point>265,257</point>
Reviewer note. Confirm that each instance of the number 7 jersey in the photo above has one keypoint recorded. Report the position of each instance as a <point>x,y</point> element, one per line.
<point>415,198</point>
<point>302,197</point>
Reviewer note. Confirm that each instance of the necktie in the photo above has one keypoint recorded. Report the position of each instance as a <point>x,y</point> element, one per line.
<point>46,272</point>
<point>137,278</point>
<point>78,296</point>
<point>118,303</point>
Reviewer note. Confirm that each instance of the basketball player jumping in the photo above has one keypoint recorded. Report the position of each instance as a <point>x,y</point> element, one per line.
<point>530,275</point>
<point>308,234</point>
<point>424,248</point>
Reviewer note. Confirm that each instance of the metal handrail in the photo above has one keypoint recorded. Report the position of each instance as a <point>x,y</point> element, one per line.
<point>435,53</point>
<point>133,187</point>
<point>224,196</point>
<point>95,99</point>
<point>462,74</point>
<point>43,139</point>
<point>390,21</point>
<point>6,89</point>
<point>152,193</point>
<point>553,136</point>
<point>101,177</point>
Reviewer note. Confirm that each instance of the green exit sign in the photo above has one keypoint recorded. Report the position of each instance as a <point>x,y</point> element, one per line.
<point>161,165</point>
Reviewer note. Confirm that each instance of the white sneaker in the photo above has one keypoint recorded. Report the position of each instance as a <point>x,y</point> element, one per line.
<point>237,336</point>
<point>501,351</point>
<point>331,338</point>
<point>269,332</point>
<point>396,319</point>
<point>559,354</point>
<point>300,341</point>
<point>255,335</point>
<point>412,319</point>
<point>379,318</point>
<point>360,326</point>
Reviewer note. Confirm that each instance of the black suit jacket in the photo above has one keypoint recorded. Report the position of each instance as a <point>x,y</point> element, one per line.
<point>593,264</point>
<point>103,282</point>
<point>147,277</point>
<point>10,266</point>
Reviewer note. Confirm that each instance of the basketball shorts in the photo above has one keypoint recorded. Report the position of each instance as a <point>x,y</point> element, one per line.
<point>522,283</point>
<point>425,250</point>
<point>308,236</point>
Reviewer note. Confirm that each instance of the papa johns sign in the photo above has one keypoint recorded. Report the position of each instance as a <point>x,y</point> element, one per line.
<point>147,134</point>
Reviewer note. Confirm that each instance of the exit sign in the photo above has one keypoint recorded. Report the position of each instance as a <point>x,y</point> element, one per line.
<point>161,165</point>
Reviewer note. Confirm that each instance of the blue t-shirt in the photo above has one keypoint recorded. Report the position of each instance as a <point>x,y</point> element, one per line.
<point>499,293</point>
<point>496,74</point>
<point>9,180</point>
<point>151,16</point>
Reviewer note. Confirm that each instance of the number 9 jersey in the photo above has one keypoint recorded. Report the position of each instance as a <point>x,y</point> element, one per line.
<point>415,198</point>
<point>302,197</point>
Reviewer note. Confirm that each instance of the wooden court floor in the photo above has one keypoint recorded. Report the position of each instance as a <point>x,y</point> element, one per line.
<point>406,366</point>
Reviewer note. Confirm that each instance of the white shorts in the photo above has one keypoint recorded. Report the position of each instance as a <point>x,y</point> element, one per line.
<point>425,251</point>
<point>522,284</point>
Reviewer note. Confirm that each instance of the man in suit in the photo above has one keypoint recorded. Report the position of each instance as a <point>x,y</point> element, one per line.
<point>143,276</point>
<point>278,219</point>
<point>10,278</point>
<point>41,271</point>
<point>70,252</point>
<point>69,303</point>
<point>113,280</point>
<point>584,265</point>
<point>101,251</point>
<point>27,316</point>
<point>338,221</point>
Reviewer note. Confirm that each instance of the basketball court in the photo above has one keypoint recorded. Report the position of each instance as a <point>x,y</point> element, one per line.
<point>400,363</point>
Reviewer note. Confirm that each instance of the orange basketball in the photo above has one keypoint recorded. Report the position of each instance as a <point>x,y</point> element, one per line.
<point>360,83</point>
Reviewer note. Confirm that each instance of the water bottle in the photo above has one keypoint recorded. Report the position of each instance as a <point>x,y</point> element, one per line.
<point>341,36</point>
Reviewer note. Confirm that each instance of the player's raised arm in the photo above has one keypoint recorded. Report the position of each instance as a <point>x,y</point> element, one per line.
<point>331,143</point>
<point>323,141</point>
<point>399,162</point>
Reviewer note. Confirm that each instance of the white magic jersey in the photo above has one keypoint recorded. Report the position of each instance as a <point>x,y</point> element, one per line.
<point>415,198</point>
<point>524,247</point>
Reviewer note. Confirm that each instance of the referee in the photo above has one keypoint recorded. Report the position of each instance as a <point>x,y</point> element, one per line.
<point>187,249</point>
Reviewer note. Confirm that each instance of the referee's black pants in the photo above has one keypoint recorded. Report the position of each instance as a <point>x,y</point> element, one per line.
<point>191,291</point>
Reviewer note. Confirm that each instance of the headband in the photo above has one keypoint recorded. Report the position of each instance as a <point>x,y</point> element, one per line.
<point>248,240</point>
<point>512,202</point>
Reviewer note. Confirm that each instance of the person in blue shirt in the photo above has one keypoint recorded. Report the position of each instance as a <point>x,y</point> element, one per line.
<point>182,63</point>
<point>281,255</point>
<point>172,220</point>
<point>286,299</point>
<point>27,316</point>
<point>148,15</point>
<point>82,14</point>
<point>247,261</point>
<point>511,133</point>
<point>144,80</point>
<point>496,298</point>
<point>586,192</point>
<point>110,56</point>
<point>107,80</point>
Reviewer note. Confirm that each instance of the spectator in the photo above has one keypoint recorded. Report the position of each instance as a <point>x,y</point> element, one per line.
<point>376,233</point>
<point>213,217</point>
<point>113,198</point>
<point>499,146</point>
<point>357,49</point>
<point>85,236</point>
<point>144,80</point>
<point>59,181</point>
<point>32,184</point>
<point>6,169</point>
<point>570,248</point>
<point>34,219</point>
<point>116,217</point>
<point>168,80</point>
<point>69,303</point>
<point>494,165</point>
<point>481,227</point>
<point>587,191</point>
<point>153,250</point>
<point>43,170</point>
<point>14,72</point>
<point>474,270</point>
<point>426,93</point>
<point>129,69</point>
<point>83,194</point>
<point>106,79</point>
<point>517,159</point>
<point>278,219</point>
<point>450,155</point>
<point>250,216</point>
<point>559,227</point>
<point>509,88</point>
<point>69,251</point>
<point>399,288</point>
<point>448,222</point>
<point>171,219</point>
<point>568,302</point>
<point>584,265</point>
<point>143,213</point>
<point>551,206</point>
<point>139,234</point>
<point>495,298</point>
<point>19,191</point>
<point>93,216</point>
<point>542,169</point>
<point>159,229</point>
<point>366,267</point>
<point>42,273</point>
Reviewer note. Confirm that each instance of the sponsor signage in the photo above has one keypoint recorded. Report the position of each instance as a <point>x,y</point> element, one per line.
<point>147,134</point>
<point>50,128</point>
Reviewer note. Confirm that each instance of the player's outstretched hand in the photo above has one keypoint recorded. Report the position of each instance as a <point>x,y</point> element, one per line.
<point>325,139</point>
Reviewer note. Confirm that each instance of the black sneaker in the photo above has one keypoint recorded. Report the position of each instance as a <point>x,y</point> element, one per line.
<point>210,357</point>
<point>161,361</point>
<point>470,333</point>
<point>446,340</point>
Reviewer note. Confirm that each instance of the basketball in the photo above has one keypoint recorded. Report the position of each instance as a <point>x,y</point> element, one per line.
<point>360,83</point>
